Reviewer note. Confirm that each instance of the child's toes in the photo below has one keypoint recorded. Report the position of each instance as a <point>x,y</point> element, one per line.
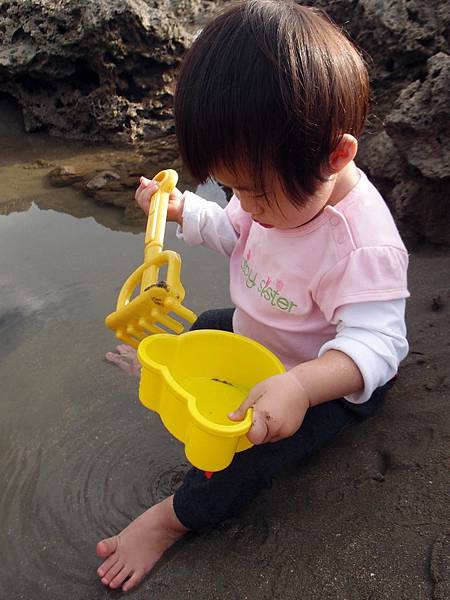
<point>132,581</point>
<point>120,577</point>
<point>126,350</point>
<point>106,566</point>
<point>118,360</point>
<point>108,578</point>
<point>106,547</point>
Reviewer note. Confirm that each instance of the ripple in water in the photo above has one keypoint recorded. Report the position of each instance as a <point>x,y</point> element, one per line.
<point>64,493</point>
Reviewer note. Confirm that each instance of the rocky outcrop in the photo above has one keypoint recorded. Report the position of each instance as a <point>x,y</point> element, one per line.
<point>409,158</point>
<point>95,70</point>
<point>407,143</point>
<point>104,70</point>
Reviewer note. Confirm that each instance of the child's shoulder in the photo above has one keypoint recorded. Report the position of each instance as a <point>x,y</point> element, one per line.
<point>369,261</point>
<point>367,218</point>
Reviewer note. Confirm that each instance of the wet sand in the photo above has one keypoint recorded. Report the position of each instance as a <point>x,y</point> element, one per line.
<point>367,519</point>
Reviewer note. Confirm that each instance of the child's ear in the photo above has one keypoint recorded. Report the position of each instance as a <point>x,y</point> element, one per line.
<point>344,153</point>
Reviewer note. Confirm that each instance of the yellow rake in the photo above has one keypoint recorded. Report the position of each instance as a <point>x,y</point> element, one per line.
<point>149,312</point>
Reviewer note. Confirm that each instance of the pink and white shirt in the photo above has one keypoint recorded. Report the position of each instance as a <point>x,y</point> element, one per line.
<point>338,281</point>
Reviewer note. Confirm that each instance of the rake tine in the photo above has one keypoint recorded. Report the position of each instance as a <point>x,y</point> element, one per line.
<point>127,339</point>
<point>151,327</point>
<point>171,323</point>
<point>182,311</point>
<point>134,331</point>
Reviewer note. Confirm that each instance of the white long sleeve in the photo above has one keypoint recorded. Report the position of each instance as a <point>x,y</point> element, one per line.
<point>206,223</point>
<point>373,334</point>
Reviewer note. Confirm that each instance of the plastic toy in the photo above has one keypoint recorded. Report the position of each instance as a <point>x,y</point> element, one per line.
<point>150,311</point>
<point>194,380</point>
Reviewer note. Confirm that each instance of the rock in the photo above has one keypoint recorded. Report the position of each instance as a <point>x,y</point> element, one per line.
<point>420,126</point>
<point>162,151</point>
<point>116,186</point>
<point>64,176</point>
<point>397,37</point>
<point>134,215</point>
<point>107,187</point>
<point>38,164</point>
<point>100,180</point>
<point>101,70</point>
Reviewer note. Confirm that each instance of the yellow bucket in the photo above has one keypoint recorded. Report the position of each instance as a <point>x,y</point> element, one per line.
<point>194,380</point>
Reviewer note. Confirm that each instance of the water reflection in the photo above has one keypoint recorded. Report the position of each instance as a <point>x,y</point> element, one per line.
<point>79,456</point>
<point>76,204</point>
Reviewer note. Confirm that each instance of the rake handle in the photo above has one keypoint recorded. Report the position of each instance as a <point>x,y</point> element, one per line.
<point>156,221</point>
<point>156,224</point>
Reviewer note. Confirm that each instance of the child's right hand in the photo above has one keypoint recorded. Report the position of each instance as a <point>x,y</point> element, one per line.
<point>176,201</point>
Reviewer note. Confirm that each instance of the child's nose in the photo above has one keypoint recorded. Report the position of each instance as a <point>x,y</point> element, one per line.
<point>250,205</point>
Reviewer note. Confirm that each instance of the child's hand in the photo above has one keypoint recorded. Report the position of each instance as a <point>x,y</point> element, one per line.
<point>176,202</point>
<point>279,406</point>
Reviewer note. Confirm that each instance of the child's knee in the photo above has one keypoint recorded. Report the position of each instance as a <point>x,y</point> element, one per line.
<point>216,318</point>
<point>204,320</point>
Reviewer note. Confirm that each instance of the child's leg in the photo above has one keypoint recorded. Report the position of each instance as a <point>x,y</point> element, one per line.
<point>216,318</point>
<point>201,502</point>
<point>134,552</point>
<point>131,554</point>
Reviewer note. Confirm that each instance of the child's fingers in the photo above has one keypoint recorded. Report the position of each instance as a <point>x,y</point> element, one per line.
<point>254,395</point>
<point>142,197</point>
<point>263,426</point>
<point>144,181</point>
<point>151,187</point>
<point>241,411</point>
<point>144,193</point>
<point>260,430</point>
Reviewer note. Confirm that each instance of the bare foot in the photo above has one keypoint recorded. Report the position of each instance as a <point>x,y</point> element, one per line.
<point>125,358</point>
<point>136,550</point>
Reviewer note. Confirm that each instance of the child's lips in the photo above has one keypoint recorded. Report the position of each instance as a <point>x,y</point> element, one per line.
<point>263,224</point>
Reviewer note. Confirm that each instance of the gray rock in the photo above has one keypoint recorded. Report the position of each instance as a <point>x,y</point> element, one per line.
<point>409,159</point>
<point>95,70</point>
<point>64,176</point>
<point>420,126</point>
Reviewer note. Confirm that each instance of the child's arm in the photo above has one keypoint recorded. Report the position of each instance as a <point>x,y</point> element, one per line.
<point>365,354</point>
<point>280,402</point>
<point>146,190</point>
<point>200,222</point>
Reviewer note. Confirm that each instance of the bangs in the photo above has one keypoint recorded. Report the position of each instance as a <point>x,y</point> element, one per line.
<point>223,101</point>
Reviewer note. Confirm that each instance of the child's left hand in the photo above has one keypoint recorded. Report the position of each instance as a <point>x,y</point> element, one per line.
<point>279,405</point>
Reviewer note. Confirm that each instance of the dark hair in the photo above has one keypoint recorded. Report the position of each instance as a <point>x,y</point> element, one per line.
<point>269,85</point>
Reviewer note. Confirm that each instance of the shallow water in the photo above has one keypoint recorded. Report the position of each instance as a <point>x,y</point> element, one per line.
<point>80,456</point>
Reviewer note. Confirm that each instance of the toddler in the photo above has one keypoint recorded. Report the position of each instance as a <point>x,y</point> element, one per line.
<point>271,100</point>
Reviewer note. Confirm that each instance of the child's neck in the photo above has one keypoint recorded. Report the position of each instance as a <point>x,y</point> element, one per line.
<point>345,182</point>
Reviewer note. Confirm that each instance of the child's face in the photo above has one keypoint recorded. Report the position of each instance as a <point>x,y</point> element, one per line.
<point>274,209</point>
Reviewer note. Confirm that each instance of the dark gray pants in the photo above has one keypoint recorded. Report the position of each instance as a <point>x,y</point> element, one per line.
<point>200,502</point>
